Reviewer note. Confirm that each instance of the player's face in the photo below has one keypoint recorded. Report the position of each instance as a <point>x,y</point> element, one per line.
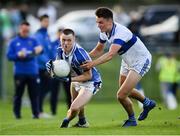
<point>45,22</point>
<point>104,24</point>
<point>67,42</point>
<point>24,30</point>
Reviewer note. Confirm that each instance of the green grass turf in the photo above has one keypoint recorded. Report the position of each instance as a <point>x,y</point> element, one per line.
<point>105,118</point>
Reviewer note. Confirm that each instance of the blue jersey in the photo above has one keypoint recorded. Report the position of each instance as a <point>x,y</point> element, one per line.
<point>76,58</point>
<point>43,38</point>
<point>27,65</point>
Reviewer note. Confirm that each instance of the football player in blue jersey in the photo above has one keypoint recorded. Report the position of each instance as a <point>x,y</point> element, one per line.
<point>136,62</point>
<point>84,83</point>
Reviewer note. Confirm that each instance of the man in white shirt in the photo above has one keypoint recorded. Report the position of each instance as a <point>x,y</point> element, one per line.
<point>136,62</point>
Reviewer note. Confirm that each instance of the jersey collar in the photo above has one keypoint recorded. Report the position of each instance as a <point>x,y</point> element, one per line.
<point>72,51</point>
<point>112,31</point>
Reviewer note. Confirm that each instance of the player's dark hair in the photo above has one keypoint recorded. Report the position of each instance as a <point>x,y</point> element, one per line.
<point>104,12</point>
<point>43,17</point>
<point>25,23</point>
<point>60,29</point>
<point>68,31</point>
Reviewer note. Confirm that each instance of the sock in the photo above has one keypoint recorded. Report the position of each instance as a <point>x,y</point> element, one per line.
<point>82,120</point>
<point>132,117</point>
<point>146,102</point>
<point>66,120</point>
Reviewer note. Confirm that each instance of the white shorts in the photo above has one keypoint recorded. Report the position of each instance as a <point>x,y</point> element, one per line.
<point>141,67</point>
<point>137,58</point>
<point>89,86</point>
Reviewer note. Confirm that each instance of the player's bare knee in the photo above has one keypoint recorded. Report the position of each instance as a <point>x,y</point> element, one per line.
<point>121,96</point>
<point>74,108</point>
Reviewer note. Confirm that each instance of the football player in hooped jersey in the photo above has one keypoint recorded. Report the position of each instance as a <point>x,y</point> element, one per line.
<point>84,83</point>
<point>136,62</point>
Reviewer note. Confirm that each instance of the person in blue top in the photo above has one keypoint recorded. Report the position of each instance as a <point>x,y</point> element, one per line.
<point>22,50</point>
<point>45,81</point>
<point>56,84</point>
<point>84,84</point>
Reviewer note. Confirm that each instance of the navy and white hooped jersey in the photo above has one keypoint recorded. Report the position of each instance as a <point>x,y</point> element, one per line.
<point>131,46</point>
<point>76,58</point>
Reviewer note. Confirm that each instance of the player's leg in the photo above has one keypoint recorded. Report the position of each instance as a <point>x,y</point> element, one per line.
<point>135,94</point>
<point>147,103</point>
<point>94,88</point>
<point>33,94</point>
<point>127,84</point>
<point>140,89</point>
<point>123,74</point>
<point>74,94</point>
<point>19,82</point>
<point>142,68</point>
<point>82,122</point>
<point>82,99</point>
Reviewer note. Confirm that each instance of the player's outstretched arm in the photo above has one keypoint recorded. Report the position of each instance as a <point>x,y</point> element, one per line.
<point>104,58</point>
<point>97,51</point>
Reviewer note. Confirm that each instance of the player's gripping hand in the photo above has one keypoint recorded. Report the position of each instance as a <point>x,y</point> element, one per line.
<point>49,66</point>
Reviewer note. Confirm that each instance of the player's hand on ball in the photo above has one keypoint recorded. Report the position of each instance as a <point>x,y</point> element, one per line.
<point>49,66</point>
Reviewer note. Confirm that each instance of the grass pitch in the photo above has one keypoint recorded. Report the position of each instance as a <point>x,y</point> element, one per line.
<point>105,118</point>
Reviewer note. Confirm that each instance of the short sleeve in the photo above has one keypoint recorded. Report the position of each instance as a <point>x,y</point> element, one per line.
<point>122,36</point>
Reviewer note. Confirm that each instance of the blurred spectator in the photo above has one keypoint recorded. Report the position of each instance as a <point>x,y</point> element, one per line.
<point>177,80</point>
<point>49,9</point>
<point>6,32</point>
<point>168,68</point>
<point>6,24</point>
<point>25,15</point>
<point>135,24</point>
<point>15,16</point>
<point>22,51</point>
<point>24,8</point>
<point>45,81</point>
<point>56,83</point>
<point>120,16</point>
